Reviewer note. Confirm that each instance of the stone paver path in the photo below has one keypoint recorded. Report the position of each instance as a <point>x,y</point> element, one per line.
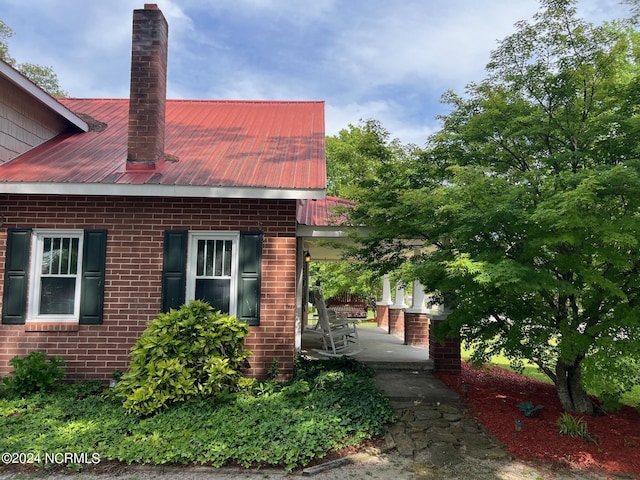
<point>439,434</point>
<point>432,427</point>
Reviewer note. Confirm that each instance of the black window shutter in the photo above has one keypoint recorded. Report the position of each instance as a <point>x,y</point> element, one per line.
<point>250,277</point>
<point>16,276</point>
<point>94,259</point>
<point>174,269</point>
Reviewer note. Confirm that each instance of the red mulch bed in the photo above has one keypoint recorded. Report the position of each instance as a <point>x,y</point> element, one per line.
<point>494,395</point>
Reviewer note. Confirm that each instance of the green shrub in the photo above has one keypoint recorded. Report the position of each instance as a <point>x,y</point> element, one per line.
<point>186,353</point>
<point>286,424</point>
<point>574,427</point>
<point>529,409</point>
<point>33,373</point>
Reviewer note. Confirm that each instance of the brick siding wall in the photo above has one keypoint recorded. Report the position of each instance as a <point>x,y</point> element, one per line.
<point>136,227</point>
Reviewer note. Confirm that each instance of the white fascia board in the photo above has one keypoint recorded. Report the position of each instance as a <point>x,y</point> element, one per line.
<point>22,82</point>
<point>156,190</point>
<point>314,231</point>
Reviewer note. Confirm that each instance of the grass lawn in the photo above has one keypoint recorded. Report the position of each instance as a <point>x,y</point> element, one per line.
<point>328,406</point>
<point>631,398</point>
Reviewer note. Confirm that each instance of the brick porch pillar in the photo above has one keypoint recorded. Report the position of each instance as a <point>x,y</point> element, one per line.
<point>382,315</point>
<point>382,307</point>
<point>444,352</point>
<point>416,328</point>
<point>396,320</point>
<point>396,312</point>
<point>416,321</point>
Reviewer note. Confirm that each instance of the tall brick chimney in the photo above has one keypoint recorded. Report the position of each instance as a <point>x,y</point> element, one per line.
<point>148,88</point>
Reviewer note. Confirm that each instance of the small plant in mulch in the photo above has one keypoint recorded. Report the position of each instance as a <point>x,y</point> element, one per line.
<point>529,409</point>
<point>616,432</point>
<point>574,427</point>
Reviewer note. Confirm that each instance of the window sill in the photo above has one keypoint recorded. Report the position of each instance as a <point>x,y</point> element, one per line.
<point>51,327</point>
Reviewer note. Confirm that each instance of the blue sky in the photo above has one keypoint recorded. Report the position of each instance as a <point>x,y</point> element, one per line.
<point>381,59</point>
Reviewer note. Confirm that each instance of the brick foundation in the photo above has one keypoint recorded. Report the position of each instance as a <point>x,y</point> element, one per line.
<point>382,315</point>
<point>416,329</point>
<point>396,321</point>
<point>135,229</point>
<point>445,353</point>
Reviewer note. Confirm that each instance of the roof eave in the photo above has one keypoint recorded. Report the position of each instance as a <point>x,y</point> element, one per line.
<point>317,231</point>
<point>155,190</point>
<point>22,82</point>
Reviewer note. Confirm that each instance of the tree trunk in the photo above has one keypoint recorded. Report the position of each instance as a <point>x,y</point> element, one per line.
<point>573,397</point>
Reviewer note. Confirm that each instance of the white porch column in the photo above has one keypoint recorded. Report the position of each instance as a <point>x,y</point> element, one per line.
<point>302,289</point>
<point>386,290</point>
<point>396,312</point>
<point>382,307</point>
<point>399,303</point>
<point>417,301</point>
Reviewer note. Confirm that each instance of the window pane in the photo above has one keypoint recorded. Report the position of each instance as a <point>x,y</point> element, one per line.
<point>73,256</point>
<point>227,258</point>
<point>200,260</point>
<point>57,295</point>
<point>216,292</point>
<point>214,258</point>
<point>219,255</point>
<point>46,256</point>
<point>60,256</point>
<point>211,252</point>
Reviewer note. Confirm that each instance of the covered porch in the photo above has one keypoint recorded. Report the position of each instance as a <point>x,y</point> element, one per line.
<point>380,350</point>
<point>401,339</point>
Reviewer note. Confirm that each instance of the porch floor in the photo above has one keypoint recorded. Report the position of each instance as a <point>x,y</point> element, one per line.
<point>380,350</point>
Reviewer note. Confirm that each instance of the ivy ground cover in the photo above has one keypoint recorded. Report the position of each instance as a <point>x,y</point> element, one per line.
<point>494,395</point>
<point>330,405</point>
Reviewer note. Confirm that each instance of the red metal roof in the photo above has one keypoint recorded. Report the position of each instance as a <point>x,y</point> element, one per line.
<point>220,146</point>
<point>322,212</point>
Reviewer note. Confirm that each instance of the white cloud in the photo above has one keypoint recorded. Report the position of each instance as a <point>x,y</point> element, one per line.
<point>340,116</point>
<point>377,59</point>
<point>411,42</point>
<point>295,12</point>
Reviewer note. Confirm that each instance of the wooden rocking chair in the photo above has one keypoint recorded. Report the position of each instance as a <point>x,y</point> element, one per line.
<point>339,335</point>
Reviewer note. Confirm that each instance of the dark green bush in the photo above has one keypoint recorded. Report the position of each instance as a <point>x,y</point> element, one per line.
<point>529,409</point>
<point>186,353</point>
<point>33,373</point>
<point>332,405</point>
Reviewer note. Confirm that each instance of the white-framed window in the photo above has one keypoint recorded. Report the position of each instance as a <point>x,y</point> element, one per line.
<point>56,267</point>
<point>212,269</point>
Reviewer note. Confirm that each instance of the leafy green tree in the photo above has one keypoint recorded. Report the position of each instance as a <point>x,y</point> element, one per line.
<point>341,277</point>
<point>42,76</point>
<point>352,155</point>
<point>528,206</point>
<point>356,153</point>
<point>355,158</point>
<point>5,34</point>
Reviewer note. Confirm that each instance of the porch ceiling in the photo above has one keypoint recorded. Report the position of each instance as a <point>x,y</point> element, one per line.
<point>325,249</point>
<point>321,225</point>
